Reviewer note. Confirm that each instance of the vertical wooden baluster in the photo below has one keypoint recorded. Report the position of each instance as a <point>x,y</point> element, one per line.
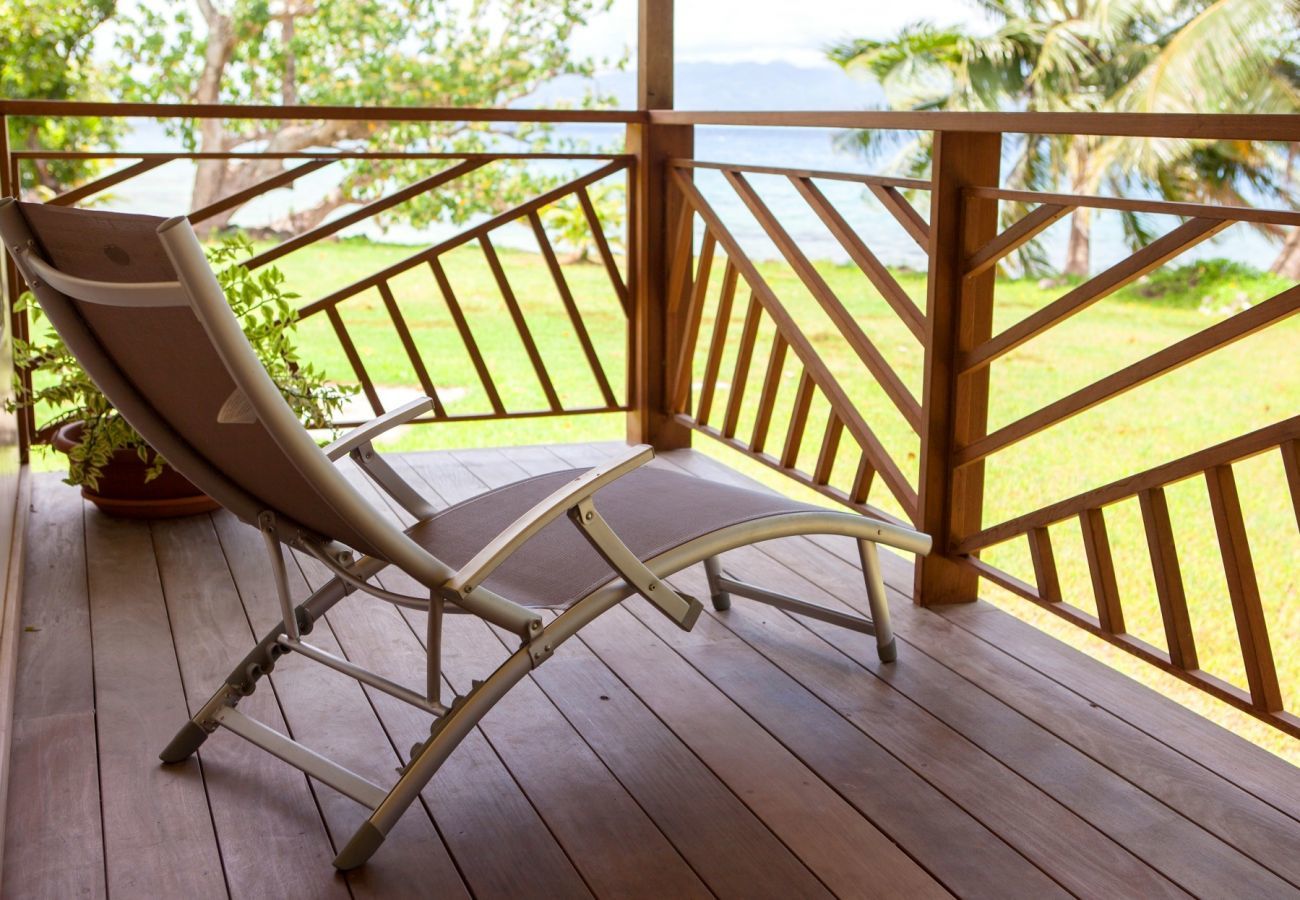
<point>11,186</point>
<point>862,481</point>
<point>717,344</point>
<point>1101,566</point>
<point>412,352</point>
<point>1243,589</point>
<point>354,359</point>
<point>1291,462</point>
<point>798,421</point>
<point>1168,579</point>
<point>767,399</point>
<point>959,316</point>
<point>690,327</point>
<point>1045,576</point>
<point>740,374</point>
<point>830,446</point>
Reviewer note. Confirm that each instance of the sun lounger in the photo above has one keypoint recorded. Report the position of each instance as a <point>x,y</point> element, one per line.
<point>134,299</point>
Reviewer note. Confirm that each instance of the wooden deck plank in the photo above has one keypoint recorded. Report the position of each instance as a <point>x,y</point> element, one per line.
<point>1235,833</point>
<point>1216,750</point>
<point>54,843</point>
<point>1029,820</point>
<point>609,839</point>
<point>687,780</point>
<point>329,712</point>
<point>161,842</point>
<point>732,848</point>
<point>272,838</point>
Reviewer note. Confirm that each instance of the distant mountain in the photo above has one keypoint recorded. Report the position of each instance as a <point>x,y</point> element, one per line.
<point>733,86</point>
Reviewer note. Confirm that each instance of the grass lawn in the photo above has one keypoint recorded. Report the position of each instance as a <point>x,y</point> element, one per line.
<point>1246,386</point>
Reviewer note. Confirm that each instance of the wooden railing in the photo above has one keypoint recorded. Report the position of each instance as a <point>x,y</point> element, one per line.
<point>718,345</point>
<point>942,490</point>
<point>609,397</point>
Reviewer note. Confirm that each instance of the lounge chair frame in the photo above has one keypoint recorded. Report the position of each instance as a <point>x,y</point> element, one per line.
<point>198,289</point>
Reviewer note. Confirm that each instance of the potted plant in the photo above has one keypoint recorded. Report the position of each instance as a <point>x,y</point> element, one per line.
<point>115,468</point>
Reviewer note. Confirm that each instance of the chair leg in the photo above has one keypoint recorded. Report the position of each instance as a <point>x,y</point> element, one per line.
<point>243,679</point>
<point>870,557</point>
<point>448,731</point>
<point>713,571</point>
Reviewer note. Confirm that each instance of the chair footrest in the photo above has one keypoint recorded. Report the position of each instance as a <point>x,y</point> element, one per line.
<point>800,607</point>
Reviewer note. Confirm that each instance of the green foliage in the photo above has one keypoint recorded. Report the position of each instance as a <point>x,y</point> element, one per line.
<point>1187,56</point>
<point>1215,286</point>
<point>45,54</point>
<point>425,53</point>
<point>568,221</point>
<point>62,388</point>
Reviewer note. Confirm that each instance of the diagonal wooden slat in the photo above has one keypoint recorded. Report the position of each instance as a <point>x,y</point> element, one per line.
<point>798,421</point>
<point>861,254</point>
<point>354,360</point>
<point>1291,463</point>
<point>767,399</point>
<point>288,176</point>
<point>904,212</point>
<point>1045,575</point>
<point>466,336</point>
<point>843,320</point>
<point>1243,590</point>
<point>602,247</point>
<point>311,236</point>
<point>412,352</point>
<point>862,480</point>
<point>1015,236</point>
<point>102,184</point>
<point>717,343</point>
<point>1178,354</point>
<point>1101,566</point>
<point>1126,271</point>
<point>462,238</point>
<point>521,324</point>
<point>1168,579</point>
<point>740,373</point>
<point>571,307</point>
<point>1193,464</point>
<point>689,330</point>
<point>830,387</point>
<point>830,446</point>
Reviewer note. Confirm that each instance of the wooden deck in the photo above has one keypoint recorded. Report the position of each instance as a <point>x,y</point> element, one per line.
<point>757,756</point>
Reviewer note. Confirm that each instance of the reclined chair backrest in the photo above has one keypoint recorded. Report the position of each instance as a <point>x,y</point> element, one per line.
<point>170,356</point>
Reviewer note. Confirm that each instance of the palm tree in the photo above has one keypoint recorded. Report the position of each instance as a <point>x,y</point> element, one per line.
<point>1090,55</point>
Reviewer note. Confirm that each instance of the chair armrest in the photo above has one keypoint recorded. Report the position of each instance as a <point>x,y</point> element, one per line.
<point>542,514</point>
<point>366,433</point>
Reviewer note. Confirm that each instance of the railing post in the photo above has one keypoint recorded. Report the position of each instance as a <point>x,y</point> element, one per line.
<point>655,208</point>
<point>959,316</point>
<point>13,324</point>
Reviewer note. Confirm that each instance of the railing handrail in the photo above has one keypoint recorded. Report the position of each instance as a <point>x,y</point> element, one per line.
<point>1217,126</point>
<point>1211,126</point>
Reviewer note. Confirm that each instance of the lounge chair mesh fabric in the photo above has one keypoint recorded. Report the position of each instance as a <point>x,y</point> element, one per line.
<point>143,342</point>
<point>650,509</point>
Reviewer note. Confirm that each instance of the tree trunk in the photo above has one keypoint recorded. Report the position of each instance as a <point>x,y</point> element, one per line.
<point>1287,263</point>
<point>1078,251</point>
<point>210,174</point>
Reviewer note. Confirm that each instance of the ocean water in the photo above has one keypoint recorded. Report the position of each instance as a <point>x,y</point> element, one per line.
<point>166,191</point>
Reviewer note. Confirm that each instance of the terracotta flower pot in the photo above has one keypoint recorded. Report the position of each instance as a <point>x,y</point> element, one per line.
<point>122,490</point>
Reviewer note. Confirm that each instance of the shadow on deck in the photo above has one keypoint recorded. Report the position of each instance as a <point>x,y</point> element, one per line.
<point>758,755</point>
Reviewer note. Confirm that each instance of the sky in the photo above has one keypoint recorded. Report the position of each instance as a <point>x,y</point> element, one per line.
<point>770,30</point>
